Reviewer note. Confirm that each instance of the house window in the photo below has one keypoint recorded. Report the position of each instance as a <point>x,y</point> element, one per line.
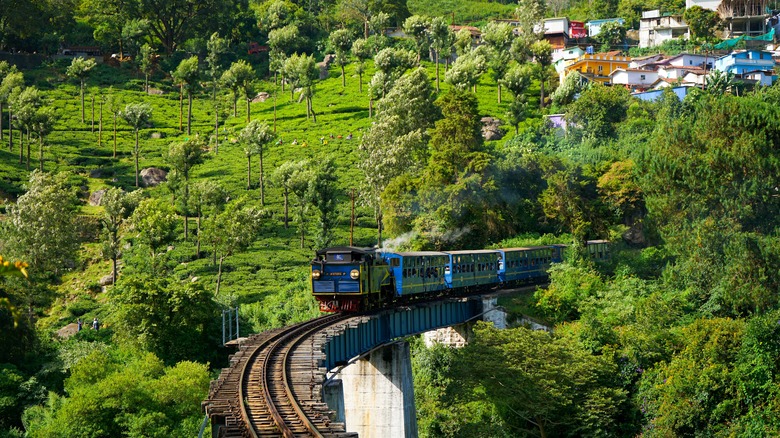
<point>601,69</point>
<point>642,77</point>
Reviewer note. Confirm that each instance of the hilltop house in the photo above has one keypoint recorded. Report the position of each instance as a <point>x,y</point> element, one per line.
<point>755,65</point>
<point>476,34</point>
<point>599,66</point>
<point>634,79</point>
<point>655,28</point>
<point>564,58</point>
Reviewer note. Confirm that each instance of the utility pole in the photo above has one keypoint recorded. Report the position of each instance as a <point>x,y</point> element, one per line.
<point>352,218</point>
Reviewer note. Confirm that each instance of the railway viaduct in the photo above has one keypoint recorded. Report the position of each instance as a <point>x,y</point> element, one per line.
<point>360,369</point>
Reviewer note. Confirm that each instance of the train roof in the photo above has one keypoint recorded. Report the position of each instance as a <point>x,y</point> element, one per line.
<point>527,248</point>
<point>346,249</point>
<point>419,253</point>
<point>474,251</point>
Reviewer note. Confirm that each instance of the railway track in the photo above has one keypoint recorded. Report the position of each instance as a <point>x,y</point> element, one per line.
<point>273,388</point>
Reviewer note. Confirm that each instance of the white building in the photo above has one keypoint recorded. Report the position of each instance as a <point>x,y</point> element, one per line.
<point>654,28</point>
<point>632,78</point>
<point>691,60</point>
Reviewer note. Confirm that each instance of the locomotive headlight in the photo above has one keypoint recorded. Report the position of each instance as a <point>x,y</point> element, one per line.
<point>315,274</point>
<point>354,274</point>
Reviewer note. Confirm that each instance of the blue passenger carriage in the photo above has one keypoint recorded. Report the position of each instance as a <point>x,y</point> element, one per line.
<point>475,268</point>
<point>417,272</point>
<point>527,264</point>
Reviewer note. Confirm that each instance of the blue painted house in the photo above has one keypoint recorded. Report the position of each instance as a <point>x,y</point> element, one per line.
<point>753,64</point>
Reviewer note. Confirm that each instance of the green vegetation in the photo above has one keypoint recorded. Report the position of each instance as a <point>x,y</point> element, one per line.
<point>674,335</point>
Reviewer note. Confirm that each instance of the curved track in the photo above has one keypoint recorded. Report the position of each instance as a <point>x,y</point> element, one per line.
<point>272,388</point>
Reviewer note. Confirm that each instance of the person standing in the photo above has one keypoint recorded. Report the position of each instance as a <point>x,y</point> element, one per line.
<point>95,324</point>
<point>80,323</point>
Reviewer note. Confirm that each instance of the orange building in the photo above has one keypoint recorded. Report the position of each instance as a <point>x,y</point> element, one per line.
<point>599,66</point>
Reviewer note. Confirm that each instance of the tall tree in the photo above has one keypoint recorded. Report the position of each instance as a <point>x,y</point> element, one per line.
<point>417,28</point>
<point>26,104</point>
<point>282,177</point>
<point>41,226</point>
<point>341,41</point>
<point>282,43</point>
<point>362,51</point>
<point>137,115</point>
<point>324,198</point>
<point>301,70</point>
<point>458,182</point>
<point>11,85</point>
<point>498,37</point>
<point>182,157</point>
<point>42,125</point>
<point>80,69</point>
<point>174,21</point>
<point>208,197</point>
<point>542,53</point>
<point>256,136</point>
<point>117,206</point>
<point>233,230</point>
<point>300,186</point>
<point>5,70</point>
<point>216,48</point>
<point>442,40</point>
<point>154,225</point>
<point>114,106</point>
<point>396,142</point>
<point>243,76</point>
<point>703,22</point>
<point>188,73</point>
<point>467,70</point>
<point>517,81</point>
<point>147,63</point>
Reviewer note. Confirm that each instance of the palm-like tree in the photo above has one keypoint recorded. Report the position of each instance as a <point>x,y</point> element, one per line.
<point>255,136</point>
<point>137,115</point>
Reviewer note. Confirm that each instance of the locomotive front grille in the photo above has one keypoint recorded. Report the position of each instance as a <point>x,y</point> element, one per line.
<point>324,286</point>
<point>349,286</point>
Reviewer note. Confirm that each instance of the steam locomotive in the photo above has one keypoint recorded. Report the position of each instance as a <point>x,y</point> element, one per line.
<point>351,279</point>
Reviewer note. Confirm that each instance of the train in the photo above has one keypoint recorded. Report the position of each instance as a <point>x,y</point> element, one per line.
<point>353,279</point>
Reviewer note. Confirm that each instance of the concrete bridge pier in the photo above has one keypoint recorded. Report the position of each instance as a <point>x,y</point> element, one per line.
<point>375,395</point>
<point>459,335</point>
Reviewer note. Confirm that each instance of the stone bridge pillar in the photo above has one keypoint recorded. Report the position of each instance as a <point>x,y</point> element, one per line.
<point>459,335</point>
<point>375,395</point>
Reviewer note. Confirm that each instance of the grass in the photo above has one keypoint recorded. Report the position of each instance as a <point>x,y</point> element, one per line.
<point>475,13</point>
<point>276,257</point>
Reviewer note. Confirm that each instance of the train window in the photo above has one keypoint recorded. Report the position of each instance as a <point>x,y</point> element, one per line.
<point>403,273</point>
<point>414,272</point>
<point>395,263</point>
<point>446,270</point>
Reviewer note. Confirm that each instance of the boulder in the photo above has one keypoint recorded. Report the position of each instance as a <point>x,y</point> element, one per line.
<point>156,135</point>
<point>96,173</point>
<point>96,197</point>
<point>323,70</point>
<point>328,60</point>
<point>106,280</point>
<point>155,91</point>
<point>491,128</point>
<point>153,176</point>
<point>68,331</point>
<point>261,97</point>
